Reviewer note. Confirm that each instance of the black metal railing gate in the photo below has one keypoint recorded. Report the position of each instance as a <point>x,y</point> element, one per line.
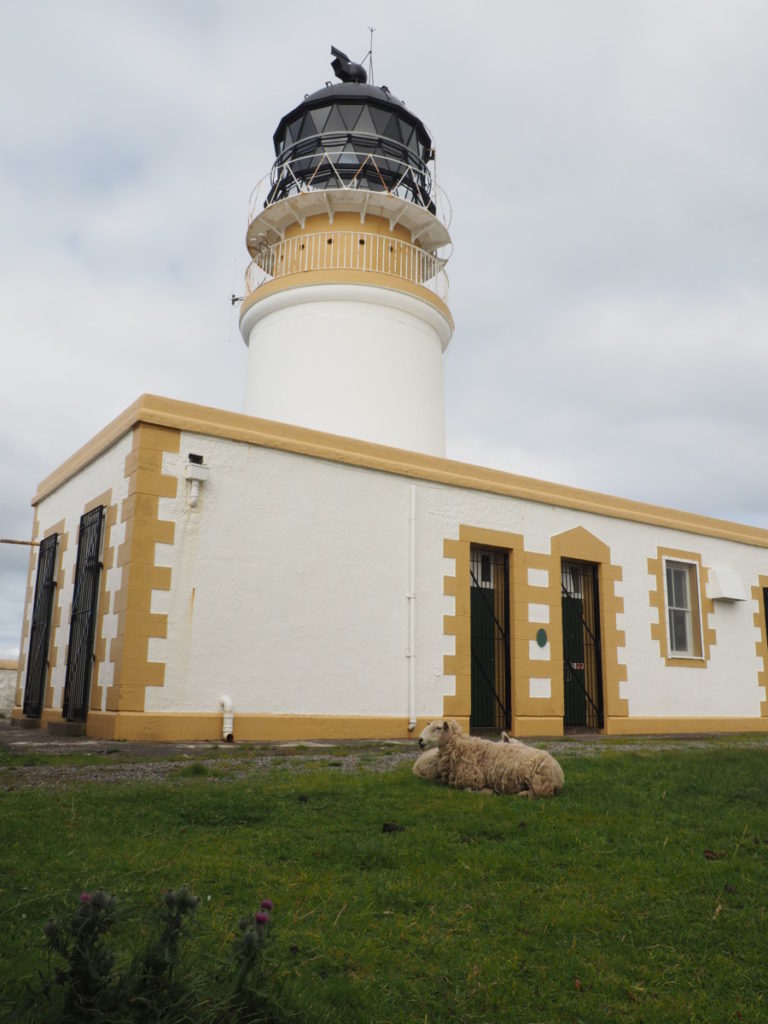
<point>82,627</point>
<point>582,659</point>
<point>40,631</point>
<point>489,630</point>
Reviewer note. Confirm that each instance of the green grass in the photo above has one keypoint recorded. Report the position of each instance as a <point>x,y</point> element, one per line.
<point>640,894</point>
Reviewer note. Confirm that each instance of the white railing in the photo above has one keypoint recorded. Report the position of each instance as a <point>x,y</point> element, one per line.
<point>348,250</point>
<point>348,172</point>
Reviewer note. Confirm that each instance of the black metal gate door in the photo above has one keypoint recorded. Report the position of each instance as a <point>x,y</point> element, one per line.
<point>40,632</point>
<point>489,629</point>
<point>582,661</point>
<point>82,628</point>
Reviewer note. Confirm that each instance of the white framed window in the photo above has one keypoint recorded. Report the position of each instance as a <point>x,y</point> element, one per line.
<point>683,609</point>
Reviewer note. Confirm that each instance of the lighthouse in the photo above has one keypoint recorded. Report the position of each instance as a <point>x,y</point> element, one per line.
<point>345,314</point>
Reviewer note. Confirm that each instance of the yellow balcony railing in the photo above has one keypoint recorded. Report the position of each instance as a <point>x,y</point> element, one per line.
<point>348,250</point>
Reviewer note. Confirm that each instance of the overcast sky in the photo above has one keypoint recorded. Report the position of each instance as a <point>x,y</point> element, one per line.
<point>607,165</point>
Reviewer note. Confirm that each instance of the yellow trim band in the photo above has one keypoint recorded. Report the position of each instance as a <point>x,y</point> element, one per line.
<point>537,725</point>
<point>372,278</point>
<point>662,726</point>
<point>253,728</point>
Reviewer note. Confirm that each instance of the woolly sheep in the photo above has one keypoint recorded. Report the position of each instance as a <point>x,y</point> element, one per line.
<point>427,765</point>
<point>468,762</point>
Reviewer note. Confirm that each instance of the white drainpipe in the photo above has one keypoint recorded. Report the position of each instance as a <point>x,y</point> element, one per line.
<point>227,720</point>
<point>412,614</point>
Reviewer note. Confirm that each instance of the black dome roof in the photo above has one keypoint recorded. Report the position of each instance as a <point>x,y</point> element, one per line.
<point>353,94</point>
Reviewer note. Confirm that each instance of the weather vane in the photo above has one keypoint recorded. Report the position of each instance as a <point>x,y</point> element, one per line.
<point>346,69</point>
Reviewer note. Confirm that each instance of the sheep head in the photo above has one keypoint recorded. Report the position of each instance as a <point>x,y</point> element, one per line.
<point>437,732</point>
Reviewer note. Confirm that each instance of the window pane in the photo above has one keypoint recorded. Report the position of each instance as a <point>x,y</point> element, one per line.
<point>677,587</point>
<point>365,123</point>
<point>335,122</point>
<point>683,579</point>
<point>316,119</point>
<point>380,118</point>
<point>678,631</point>
<point>305,129</point>
<point>349,114</point>
<point>671,586</point>
<point>392,128</point>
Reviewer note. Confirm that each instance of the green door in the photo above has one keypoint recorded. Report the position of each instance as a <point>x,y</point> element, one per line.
<point>489,629</point>
<point>582,658</point>
<point>483,659</point>
<point>573,661</point>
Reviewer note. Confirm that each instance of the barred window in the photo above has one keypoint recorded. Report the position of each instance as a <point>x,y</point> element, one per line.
<point>82,626</point>
<point>40,634</point>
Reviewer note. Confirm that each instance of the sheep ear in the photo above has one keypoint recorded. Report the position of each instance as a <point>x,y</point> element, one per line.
<point>445,727</point>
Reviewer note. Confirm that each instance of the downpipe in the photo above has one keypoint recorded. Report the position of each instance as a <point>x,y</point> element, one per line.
<point>412,613</point>
<point>227,720</point>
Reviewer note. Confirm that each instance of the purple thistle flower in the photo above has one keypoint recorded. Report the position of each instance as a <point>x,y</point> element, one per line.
<point>85,897</point>
<point>267,905</point>
<point>261,917</point>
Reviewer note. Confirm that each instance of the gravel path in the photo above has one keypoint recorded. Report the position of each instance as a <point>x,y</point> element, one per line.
<point>219,769</point>
<point>155,762</point>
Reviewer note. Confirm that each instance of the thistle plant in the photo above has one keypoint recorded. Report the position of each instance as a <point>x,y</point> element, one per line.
<point>79,941</point>
<point>155,970</point>
<point>158,984</point>
<point>249,948</point>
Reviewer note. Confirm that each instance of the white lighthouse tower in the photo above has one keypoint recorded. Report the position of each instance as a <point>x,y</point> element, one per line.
<point>345,314</point>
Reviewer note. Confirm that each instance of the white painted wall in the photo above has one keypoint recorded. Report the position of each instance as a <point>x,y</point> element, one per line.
<point>290,589</point>
<point>353,360</point>
<point>290,583</point>
<point>68,502</point>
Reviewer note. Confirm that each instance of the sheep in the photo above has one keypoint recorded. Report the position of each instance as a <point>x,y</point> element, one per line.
<point>468,762</point>
<point>427,765</point>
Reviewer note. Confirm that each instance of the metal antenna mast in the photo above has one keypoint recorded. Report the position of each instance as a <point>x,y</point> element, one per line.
<point>371,29</point>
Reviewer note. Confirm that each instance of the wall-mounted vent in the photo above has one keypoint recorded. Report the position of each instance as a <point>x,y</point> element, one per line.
<point>725,585</point>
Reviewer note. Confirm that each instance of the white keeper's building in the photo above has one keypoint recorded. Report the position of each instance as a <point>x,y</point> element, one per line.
<point>315,567</point>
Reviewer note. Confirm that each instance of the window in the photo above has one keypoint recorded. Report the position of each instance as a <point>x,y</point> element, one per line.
<point>40,634</point>
<point>82,627</point>
<point>683,615</point>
